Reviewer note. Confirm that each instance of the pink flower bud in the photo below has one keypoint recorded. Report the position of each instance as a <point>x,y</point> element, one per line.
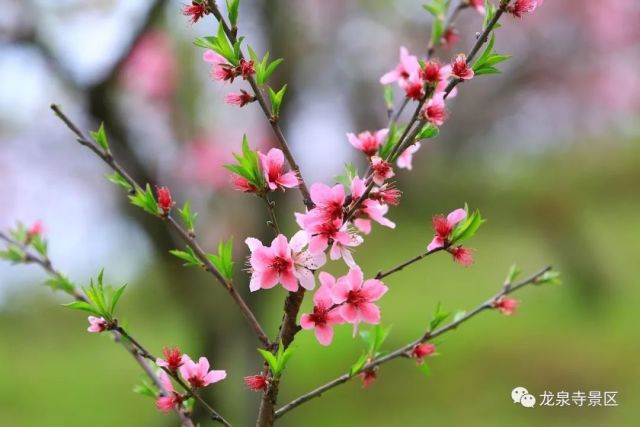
<point>435,111</point>
<point>240,183</point>
<point>420,351</point>
<point>507,306</point>
<point>369,377</point>
<point>382,170</point>
<point>97,324</point>
<point>450,37</point>
<point>165,202</point>
<point>256,382</point>
<point>246,68</point>
<point>431,73</point>
<point>35,230</point>
<point>520,7</point>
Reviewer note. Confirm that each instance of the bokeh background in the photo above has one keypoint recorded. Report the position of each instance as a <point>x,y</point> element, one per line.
<point>548,151</point>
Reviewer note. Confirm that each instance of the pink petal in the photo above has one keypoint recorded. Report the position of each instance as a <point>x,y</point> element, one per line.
<point>320,193</point>
<point>280,246</point>
<point>364,225</point>
<point>261,258</point>
<point>436,243</point>
<point>324,334</point>
<point>275,158</point>
<point>340,291</point>
<point>253,243</point>
<point>355,277</point>
<point>267,278</point>
<point>306,278</point>
<point>456,216</point>
<point>318,244</point>
<point>370,313</point>
<point>214,377</point>
<point>349,313</point>
<point>390,77</point>
<point>327,280</point>
<point>289,281</point>
<point>213,58</point>
<point>289,180</point>
<point>374,289</point>
<point>306,322</point>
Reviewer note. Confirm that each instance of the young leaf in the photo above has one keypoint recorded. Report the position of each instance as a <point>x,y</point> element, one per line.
<point>188,218</point>
<point>81,305</point>
<point>425,369</point>
<point>101,137</point>
<point>232,8</point>
<point>514,272</point>
<point>13,254</point>
<point>467,228</point>
<point>119,180</point>
<point>190,258</point>
<point>389,96</point>
<point>427,131</point>
<point>270,359</point>
<point>115,297</point>
<point>61,283</point>
<point>145,200</point>
<point>223,261</point>
<point>146,389</point>
<point>276,100</point>
<point>439,316</point>
<point>356,367</point>
<point>550,277</point>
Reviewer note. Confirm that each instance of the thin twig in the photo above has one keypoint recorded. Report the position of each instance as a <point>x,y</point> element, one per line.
<point>273,120</point>
<point>184,234</point>
<point>383,274</point>
<point>404,350</point>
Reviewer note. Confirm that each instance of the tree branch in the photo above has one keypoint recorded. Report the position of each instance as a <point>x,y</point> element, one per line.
<point>403,351</point>
<point>184,234</point>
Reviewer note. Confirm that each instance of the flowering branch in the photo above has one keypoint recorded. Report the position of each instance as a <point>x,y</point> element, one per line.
<point>185,235</point>
<point>405,351</point>
<point>383,274</point>
<point>272,116</point>
<point>136,350</point>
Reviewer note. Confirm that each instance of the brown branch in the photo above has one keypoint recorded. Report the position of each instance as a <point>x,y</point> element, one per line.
<point>184,234</point>
<point>273,120</point>
<point>383,274</point>
<point>404,350</point>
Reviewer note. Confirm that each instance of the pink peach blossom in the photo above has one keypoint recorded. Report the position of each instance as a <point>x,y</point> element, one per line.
<point>198,374</point>
<point>460,68</point>
<point>273,164</point>
<point>329,201</point>
<point>221,69</point>
<point>405,158</point>
<point>368,142</point>
<point>240,99</point>
<point>521,7</point>
<point>408,65</point>
<point>462,256</point>
<point>370,208</point>
<point>172,359</point>
<point>435,111</point>
<point>357,296</point>
<point>324,314</point>
<point>381,169</point>
<point>422,350</point>
<point>256,382</point>
<point>271,265</point>
<point>97,324</point>
<point>170,398</point>
<point>444,226</point>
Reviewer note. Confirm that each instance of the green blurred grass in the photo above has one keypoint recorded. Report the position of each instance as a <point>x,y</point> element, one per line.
<point>580,219</point>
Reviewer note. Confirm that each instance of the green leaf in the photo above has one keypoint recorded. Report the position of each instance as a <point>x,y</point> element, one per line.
<point>115,297</point>
<point>467,228</point>
<point>119,180</point>
<point>39,244</point>
<point>437,30</point>
<point>270,359</point>
<point>145,200</point>
<point>13,254</point>
<point>190,258</point>
<point>427,131</point>
<point>223,261</point>
<point>276,100</point>
<point>101,137</point>
<point>550,277</point>
<point>220,44</point>
<point>188,218</point>
<point>356,367</point>
<point>81,305</point>
<point>389,96</point>
<point>485,63</point>
<point>459,315</point>
<point>232,8</point>
<point>439,316</point>
<point>374,338</point>
<point>284,358</point>
<point>350,172</point>
<point>514,272</point>
<point>248,165</point>
<point>146,389</point>
<point>61,283</point>
<point>425,369</point>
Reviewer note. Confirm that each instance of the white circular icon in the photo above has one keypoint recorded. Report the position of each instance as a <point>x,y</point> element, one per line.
<point>517,393</point>
<point>528,401</point>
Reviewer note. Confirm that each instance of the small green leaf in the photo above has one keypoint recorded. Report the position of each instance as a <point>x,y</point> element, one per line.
<point>13,254</point>
<point>145,200</point>
<point>389,96</point>
<point>146,389</point>
<point>276,100</point>
<point>232,8</point>
<point>467,228</point>
<point>427,131</point>
<point>425,369</point>
<point>119,180</point>
<point>514,272</point>
<point>101,137</point>
<point>81,305</point>
<point>61,283</point>
<point>439,316</point>
<point>550,277</point>
<point>223,261</point>
<point>270,359</point>
<point>188,218</point>
<point>190,258</point>
<point>356,367</point>
<point>115,297</point>
<point>459,315</point>
<point>39,244</point>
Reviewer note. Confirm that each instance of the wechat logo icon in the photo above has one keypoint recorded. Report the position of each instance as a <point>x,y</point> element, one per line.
<point>521,395</point>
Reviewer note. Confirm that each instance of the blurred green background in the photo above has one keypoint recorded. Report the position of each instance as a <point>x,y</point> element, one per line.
<point>545,155</point>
